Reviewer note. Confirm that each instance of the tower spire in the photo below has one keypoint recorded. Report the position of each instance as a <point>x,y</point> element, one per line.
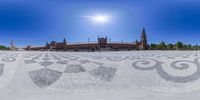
<point>143,39</point>
<point>64,41</point>
<point>143,30</point>
<point>143,33</point>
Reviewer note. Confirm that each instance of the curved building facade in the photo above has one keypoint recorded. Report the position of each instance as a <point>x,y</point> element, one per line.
<point>102,44</point>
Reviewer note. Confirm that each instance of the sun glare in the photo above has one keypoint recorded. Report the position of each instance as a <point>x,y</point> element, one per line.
<point>99,19</point>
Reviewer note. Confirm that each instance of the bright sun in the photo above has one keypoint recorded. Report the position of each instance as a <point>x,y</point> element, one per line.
<point>99,19</point>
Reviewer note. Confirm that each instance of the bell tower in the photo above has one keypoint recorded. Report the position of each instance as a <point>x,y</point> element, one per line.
<point>143,40</point>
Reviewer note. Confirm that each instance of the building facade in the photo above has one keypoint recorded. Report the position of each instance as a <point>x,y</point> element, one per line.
<point>102,44</point>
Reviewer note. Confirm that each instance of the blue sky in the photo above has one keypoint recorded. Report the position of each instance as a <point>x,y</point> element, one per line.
<point>36,21</point>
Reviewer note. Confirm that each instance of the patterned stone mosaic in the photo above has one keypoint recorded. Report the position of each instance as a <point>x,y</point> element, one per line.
<point>55,65</point>
<point>180,66</point>
<point>72,70</point>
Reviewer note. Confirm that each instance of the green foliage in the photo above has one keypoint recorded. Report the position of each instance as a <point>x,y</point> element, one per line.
<point>162,46</point>
<point>3,47</point>
<point>170,46</point>
<point>153,46</point>
<point>178,46</point>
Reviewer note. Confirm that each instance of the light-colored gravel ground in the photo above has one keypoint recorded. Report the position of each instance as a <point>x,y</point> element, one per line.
<point>127,75</point>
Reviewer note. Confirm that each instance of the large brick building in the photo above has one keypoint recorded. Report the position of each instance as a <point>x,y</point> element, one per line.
<point>101,44</point>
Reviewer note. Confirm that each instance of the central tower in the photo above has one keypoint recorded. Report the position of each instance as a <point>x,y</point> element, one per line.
<point>102,42</point>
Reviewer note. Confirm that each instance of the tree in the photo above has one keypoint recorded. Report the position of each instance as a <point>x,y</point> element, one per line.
<point>162,45</point>
<point>185,47</point>
<point>153,46</point>
<point>170,46</point>
<point>3,47</point>
<point>195,47</point>
<point>189,47</point>
<point>179,45</point>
